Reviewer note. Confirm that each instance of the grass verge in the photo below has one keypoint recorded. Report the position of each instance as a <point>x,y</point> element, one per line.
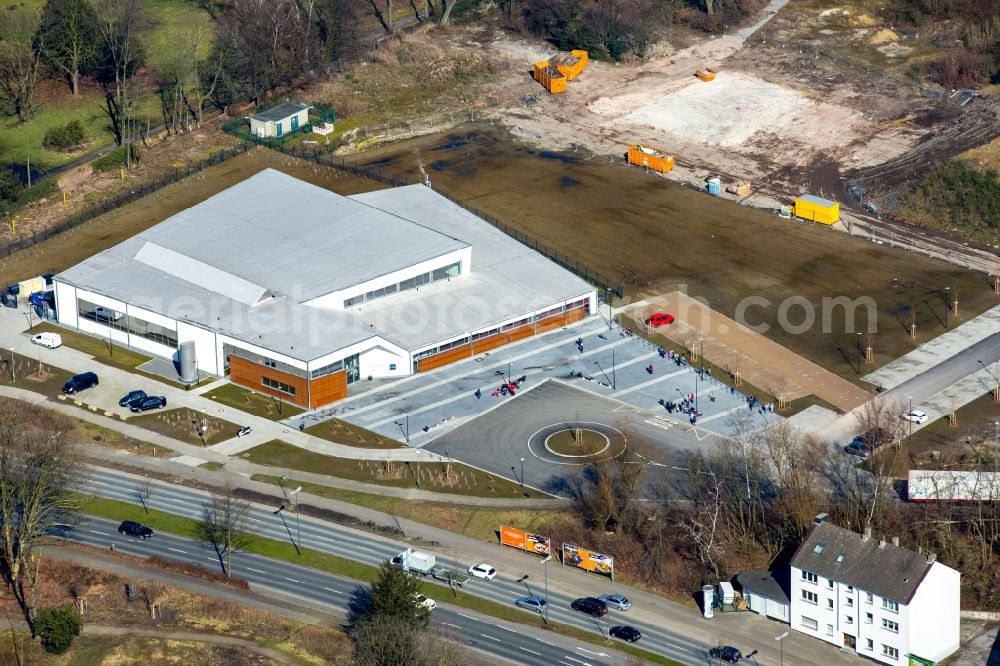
<point>472,521</point>
<point>184,424</point>
<point>340,566</point>
<point>252,402</point>
<point>343,432</point>
<point>435,476</point>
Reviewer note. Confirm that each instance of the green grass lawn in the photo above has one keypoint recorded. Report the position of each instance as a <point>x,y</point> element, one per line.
<point>187,527</point>
<point>481,523</point>
<point>343,432</point>
<point>101,436</point>
<point>252,402</point>
<point>32,373</point>
<point>438,477</point>
<point>183,423</point>
<point>171,23</point>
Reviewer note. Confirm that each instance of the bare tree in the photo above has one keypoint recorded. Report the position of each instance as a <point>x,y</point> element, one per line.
<point>227,526</point>
<point>19,61</point>
<point>144,491</point>
<point>38,471</point>
<point>703,525</point>
<point>384,17</point>
<point>122,25</point>
<point>68,39</point>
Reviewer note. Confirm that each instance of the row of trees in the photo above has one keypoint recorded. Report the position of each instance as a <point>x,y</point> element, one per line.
<point>747,501</point>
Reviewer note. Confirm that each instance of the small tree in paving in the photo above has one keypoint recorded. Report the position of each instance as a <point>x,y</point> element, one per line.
<point>57,627</point>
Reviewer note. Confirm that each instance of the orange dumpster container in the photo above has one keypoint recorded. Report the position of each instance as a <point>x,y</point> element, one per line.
<point>571,64</point>
<point>705,74</point>
<point>550,77</point>
<point>651,158</point>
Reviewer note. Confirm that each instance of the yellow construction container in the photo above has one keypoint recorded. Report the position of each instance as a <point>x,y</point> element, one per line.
<point>705,74</point>
<point>739,189</point>
<point>550,77</point>
<point>817,209</point>
<point>651,158</point>
<point>571,64</point>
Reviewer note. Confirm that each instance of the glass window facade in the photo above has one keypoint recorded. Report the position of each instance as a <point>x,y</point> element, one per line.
<point>437,275</point>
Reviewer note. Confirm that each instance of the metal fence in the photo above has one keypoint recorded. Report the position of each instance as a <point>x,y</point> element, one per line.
<point>107,205</point>
<point>387,177</point>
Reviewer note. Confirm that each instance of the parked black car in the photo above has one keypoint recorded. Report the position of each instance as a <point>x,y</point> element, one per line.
<point>590,606</point>
<point>131,397</point>
<point>858,448</point>
<point>726,653</point>
<point>134,529</point>
<point>149,402</point>
<point>80,382</point>
<point>626,633</point>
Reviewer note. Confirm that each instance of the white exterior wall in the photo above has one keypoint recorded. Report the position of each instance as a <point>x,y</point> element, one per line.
<point>376,361</point>
<point>150,347</point>
<point>102,331</point>
<point>204,344</point>
<point>66,307</point>
<point>335,299</point>
<point>819,611</point>
<point>266,129</point>
<point>933,621</point>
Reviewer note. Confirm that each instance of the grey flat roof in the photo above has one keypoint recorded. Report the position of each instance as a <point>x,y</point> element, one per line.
<point>812,198</point>
<point>244,261</point>
<point>764,584</point>
<point>886,570</point>
<point>280,111</point>
<point>507,279</point>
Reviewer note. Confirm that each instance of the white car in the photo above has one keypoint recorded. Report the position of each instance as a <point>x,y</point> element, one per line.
<point>484,571</point>
<point>916,416</point>
<point>50,340</point>
<point>426,602</point>
<point>106,314</point>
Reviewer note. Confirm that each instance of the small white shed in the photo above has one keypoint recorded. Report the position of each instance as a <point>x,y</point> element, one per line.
<point>285,118</point>
<point>765,595</point>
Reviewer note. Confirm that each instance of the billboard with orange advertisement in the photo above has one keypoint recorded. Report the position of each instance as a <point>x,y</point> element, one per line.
<point>526,541</point>
<point>588,560</point>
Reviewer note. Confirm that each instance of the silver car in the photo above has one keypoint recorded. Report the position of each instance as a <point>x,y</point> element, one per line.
<point>536,604</point>
<point>616,601</point>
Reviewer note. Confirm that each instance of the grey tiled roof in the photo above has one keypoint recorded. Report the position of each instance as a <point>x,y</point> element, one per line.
<point>762,583</point>
<point>886,570</point>
<point>280,111</point>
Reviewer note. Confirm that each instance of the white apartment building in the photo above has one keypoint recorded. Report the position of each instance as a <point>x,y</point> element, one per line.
<point>884,602</point>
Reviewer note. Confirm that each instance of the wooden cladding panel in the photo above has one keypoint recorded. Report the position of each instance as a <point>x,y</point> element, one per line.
<point>443,358</point>
<point>251,375</point>
<point>328,388</point>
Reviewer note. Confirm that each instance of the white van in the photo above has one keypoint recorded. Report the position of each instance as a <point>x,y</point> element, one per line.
<point>50,340</point>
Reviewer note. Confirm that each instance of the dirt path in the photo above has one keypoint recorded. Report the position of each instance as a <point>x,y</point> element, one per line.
<point>760,361</point>
<point>193,636</point>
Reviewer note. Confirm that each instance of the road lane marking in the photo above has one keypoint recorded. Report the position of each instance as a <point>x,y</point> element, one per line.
<point>449,624</point>
<point>176,499</point>
<point>257,570</point>
<point>491,638</point>
<point>334,591</point>
<point>585,663</point>
<point>100,483</point>
<point>596,654</point>
<point>101,533</point>
<point>292,580</point>
<point>475,619</point>
<point>546,642</point>
<point>513,631</point>
<point>177,550</point>
<point>531,651</point>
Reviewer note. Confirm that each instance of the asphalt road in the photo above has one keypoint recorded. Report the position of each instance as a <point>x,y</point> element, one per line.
<point>984,353</point>
<point>369,549</point>
<point>497,440</point>
<point>502,639</point>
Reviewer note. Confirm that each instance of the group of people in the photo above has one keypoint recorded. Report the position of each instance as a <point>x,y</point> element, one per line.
<point>762,407</point>
<point>505,389</point>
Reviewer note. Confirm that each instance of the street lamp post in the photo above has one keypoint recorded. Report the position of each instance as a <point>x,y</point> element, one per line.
<point>947,304</point>
<point>613,387</point>
<point>522,472</point>
<point>859,353</point>
<point>910,398</point>
<point>545,564</point>
<point>781,644</point>
<point>13,378</point>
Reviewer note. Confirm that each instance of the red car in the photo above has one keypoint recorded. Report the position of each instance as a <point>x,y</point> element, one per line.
<point>659,319</point>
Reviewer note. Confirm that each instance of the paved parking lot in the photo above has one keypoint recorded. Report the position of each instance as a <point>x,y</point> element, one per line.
<point>421,408</point>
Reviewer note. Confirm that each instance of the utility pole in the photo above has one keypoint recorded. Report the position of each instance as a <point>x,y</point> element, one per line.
<point>545,564</point>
